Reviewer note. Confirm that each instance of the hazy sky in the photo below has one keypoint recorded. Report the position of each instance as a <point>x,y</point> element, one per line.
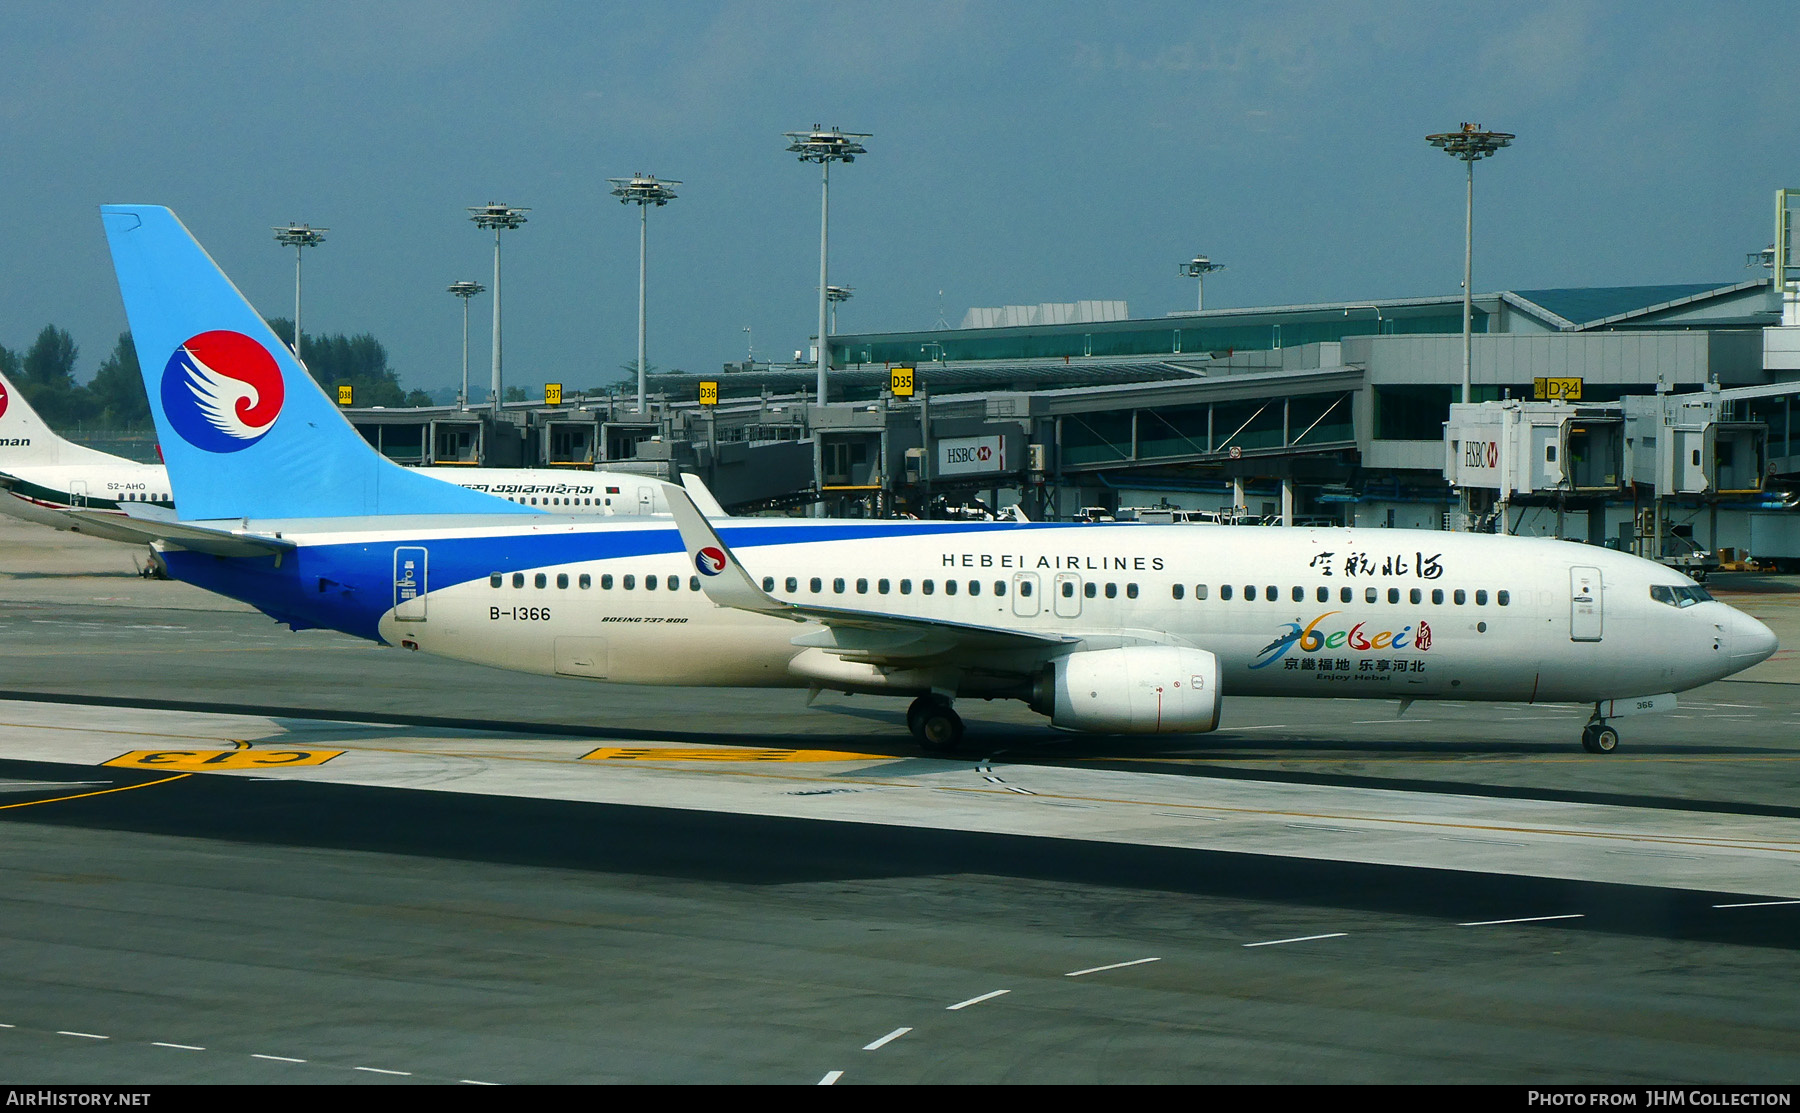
<point>1022,153</point>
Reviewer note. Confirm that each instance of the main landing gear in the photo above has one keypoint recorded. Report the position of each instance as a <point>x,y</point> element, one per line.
<point>934,723</point>
<point>1599,738</point>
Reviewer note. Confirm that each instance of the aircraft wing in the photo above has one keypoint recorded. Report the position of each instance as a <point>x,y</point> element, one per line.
<point>138,525</point>
<point>855,634</point>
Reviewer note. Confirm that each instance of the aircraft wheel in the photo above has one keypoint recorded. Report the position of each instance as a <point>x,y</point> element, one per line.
<point>915,712</point>
<point>1598,738</point>
<point>940,728</point>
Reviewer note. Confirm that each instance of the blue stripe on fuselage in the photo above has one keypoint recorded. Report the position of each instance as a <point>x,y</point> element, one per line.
<point>349,586</point>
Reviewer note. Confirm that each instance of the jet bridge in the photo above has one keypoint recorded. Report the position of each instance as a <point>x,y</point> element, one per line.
<point>1680,445</point>
<point>1525,450</point>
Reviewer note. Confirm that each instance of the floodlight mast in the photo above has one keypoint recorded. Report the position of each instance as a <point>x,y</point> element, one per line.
<point>1198,268</point>
<point>465,290</point>
<point>645,190</point>
<point>837,295</point>
<point>299,237</point>
<point>497,216</point>
<point>825,147</point>
<point>1471,145</point>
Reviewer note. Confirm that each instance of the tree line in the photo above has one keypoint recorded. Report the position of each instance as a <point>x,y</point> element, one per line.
<point>114,398</point>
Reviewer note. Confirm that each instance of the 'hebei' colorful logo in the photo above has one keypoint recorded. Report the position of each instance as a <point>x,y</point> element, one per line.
<point>222,391</point>
<point>1311,639</point>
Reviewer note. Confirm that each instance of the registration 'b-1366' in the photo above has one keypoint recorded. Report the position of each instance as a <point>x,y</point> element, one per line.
<point>1119,629</point>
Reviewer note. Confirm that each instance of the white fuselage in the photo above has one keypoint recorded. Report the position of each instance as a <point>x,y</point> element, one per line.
<point>1302,612</point>
<point>44,493</point>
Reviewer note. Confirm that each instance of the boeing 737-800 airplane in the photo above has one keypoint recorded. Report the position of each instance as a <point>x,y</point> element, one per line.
<point>1128,628</point>
<point>44,475</point>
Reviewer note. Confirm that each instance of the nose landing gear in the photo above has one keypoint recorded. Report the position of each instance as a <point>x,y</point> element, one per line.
<point>1598,737</point>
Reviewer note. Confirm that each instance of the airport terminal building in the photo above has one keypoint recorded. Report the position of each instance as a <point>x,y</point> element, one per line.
<point>1332,412</point>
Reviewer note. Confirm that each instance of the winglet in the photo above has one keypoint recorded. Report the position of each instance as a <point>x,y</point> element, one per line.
<point>722,578</point>
<point>703,498</point>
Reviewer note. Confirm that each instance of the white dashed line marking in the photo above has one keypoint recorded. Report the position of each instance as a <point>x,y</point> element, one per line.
<point>277,1058</point>
<point>177,1046</point>
<point>831,1077</point>
<point>975,1000</point>
<point>1751,904</point>
<point>85,1035</point>
<point>887,1039</point>
<point>1522,920</point>
<point>1298,939</point>
<point>378,1070</point>
<point>1114,966</point>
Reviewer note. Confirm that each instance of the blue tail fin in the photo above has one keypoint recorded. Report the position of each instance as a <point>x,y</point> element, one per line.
<point>245,431</point>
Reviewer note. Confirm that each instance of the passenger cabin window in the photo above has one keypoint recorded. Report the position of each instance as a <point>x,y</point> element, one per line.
<point>1175,591</point>
<point>793,584</point>
<point>1503,598</point>
<point>494,579</point>
<point>1112,591</point>
<point>1131,591</point>
<point>518,579</point>
<point>562,580</point>
<point>817,585</point>
<point>906,587</point>
<point>1225,592</point>
<point>606,581</point>
<point>585,582</point>
<point>1090,589</point>
<point>1199,591</point>
<point>949,587</point>
<point>768,583</point>
<point>1481,598</point>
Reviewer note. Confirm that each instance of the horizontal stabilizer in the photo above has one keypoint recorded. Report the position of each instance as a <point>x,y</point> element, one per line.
<point>193,536</point>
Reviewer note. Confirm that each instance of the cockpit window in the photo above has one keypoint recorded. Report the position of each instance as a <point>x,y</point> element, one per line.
<point>1678,597</point>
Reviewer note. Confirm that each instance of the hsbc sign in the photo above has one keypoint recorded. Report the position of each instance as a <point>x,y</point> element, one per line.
<point>971,455</point>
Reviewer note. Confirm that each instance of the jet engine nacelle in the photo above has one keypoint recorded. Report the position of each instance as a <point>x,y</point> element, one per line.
<point>1137,689</point>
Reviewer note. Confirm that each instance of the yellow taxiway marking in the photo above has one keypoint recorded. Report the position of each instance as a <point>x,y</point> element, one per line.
<point>674,753</point>
<point>202,761</point>
<point>96,792</point>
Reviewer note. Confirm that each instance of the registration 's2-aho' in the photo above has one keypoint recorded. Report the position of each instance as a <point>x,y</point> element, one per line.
<point>1123,628</point>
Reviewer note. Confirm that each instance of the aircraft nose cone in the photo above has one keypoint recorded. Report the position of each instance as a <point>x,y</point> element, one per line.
<point>1751,641</point>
